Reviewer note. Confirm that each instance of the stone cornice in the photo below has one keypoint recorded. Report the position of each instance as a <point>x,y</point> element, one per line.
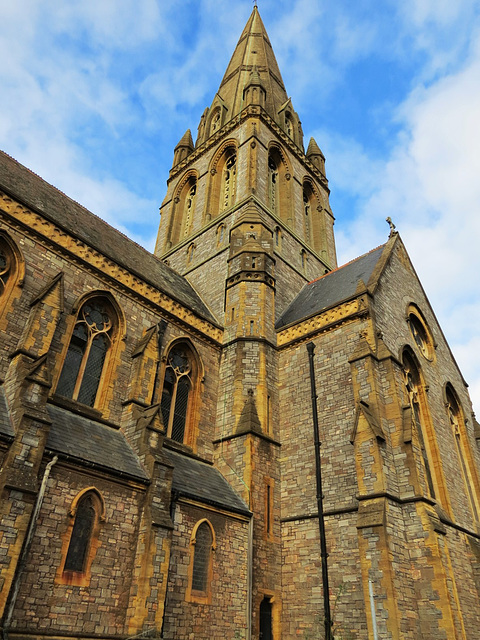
<point>102,266</point>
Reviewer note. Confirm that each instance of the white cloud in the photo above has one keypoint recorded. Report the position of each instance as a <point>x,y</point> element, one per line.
<point>430,188</point>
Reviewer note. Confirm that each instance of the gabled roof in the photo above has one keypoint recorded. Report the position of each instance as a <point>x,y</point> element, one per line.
<point>200,481</point>
<point>331,289</point>
<point>253,52</point>
<point>93,443</point>
<point>26,187</point>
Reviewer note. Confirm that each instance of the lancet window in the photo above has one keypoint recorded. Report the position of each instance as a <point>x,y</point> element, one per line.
<point>229,180</point>
<point>202,546</point>
<point>91,340</point>
<point>415,390</point>
<point>215,123</point>
<point>177,393</point>
<point>273,184</point>
<point>189,208</point>
<point>307,210</point>
<point>457,425</point>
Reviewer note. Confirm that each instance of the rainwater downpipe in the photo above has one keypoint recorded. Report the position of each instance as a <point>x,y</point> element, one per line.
<point>26,548</point>
<point>321,520</point>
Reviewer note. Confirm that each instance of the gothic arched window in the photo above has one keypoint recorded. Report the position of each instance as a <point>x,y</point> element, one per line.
<point>420,332</point>
<point>307,211</point>
<point>82,532</point>
<point>177,391</point>
<point>221,232</point>
<point>81,542</point>
<point>457,424</point>
<point>89,345</point>
<point>189,207</point>
<point>229,180</point>
<point>202,546</point>
<point>215,121</point>
<point>416,396</point>
<point>5,266</point>
<point>273,180</point>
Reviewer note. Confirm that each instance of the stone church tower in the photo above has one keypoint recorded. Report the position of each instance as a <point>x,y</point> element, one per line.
<point>158,471</point>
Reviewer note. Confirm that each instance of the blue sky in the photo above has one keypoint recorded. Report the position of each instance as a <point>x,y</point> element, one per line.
<point>95,95</point>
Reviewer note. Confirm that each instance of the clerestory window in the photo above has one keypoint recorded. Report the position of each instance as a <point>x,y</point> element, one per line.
<point>177,392</point>
<point>87,352</point>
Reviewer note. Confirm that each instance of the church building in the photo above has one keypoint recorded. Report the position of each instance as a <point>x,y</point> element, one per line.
<point>157,411</point>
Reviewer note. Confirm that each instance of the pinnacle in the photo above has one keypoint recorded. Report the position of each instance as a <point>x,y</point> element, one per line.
<point>186,140</point>
<point>313,149</point>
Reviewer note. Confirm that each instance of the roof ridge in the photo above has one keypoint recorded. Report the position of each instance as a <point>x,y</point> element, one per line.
<point>33,173</point>
<point>347,263</point>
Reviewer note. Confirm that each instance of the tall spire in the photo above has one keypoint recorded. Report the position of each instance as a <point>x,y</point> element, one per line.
<point>253,52</point>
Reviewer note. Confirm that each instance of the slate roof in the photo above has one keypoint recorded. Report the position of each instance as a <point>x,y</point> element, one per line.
<point>28,188</point>
<point>6,428</point>
<point>89,441</point>
<point>331,289</point>
<point>202,482</point>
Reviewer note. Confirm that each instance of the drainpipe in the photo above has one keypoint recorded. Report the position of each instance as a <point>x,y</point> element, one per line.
<point>250,579</point>
<point>321,520</point>
<point>25,549</point>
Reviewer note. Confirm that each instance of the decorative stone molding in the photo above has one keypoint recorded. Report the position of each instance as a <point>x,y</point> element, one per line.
<point>99,263</point>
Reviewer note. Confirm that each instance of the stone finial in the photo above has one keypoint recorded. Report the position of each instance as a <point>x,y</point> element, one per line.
<point>392,226</point>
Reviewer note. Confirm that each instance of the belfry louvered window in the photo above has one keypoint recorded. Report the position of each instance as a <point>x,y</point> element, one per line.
<point>87,351</point>
<point>177,391</point>
<point>229,180</point>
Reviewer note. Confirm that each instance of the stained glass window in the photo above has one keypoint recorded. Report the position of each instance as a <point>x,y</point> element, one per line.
<point>91,339</point>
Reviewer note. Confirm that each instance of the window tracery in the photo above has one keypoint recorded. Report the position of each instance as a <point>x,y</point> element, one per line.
<point>177,391</point>
<point>5,267</point>
<point>457,425</point>
<point>415,392</point>
<point>90,342</point>
<point>215,122</point>
<point>420,333</point>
